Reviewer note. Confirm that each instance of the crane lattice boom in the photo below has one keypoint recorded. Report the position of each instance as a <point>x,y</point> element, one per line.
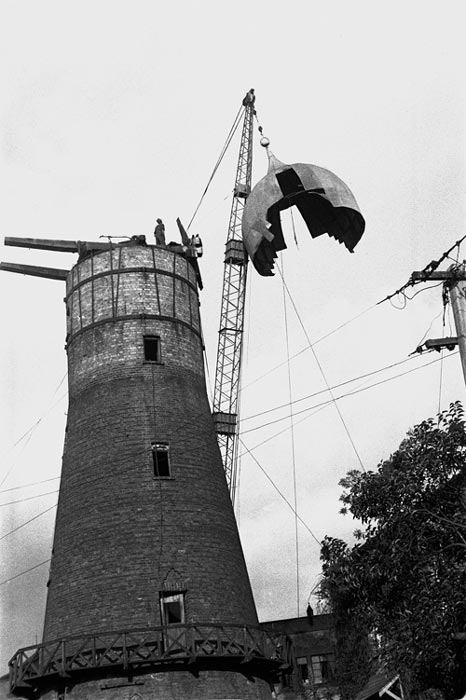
<point>228,370</point>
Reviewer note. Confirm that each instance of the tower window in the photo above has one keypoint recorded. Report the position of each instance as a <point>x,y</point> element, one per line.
<point>160,459</point>
<point>152,351</point>
<point>172,608</point>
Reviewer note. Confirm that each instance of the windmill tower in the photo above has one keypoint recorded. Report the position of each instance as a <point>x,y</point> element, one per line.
<point>148,594</point>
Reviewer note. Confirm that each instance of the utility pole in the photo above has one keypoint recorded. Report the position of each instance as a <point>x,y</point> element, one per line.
<point>457,290</point>
<point>455,279</point>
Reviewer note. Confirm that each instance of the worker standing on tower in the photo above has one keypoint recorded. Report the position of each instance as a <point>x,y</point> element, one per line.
<point>159,233</point>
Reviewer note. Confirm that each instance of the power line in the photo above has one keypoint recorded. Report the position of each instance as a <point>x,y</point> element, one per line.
<point>28,434</point>
<point>300,352</point>
<point>427,270</point>
<point>25,572</point>
<point>424,289</point>
<point>284,430</point>
<point>280,432</point>
<point>41,418</point>
<point>335,386</point>
<point>30,498</point>
<point>33,483</point>
<point>27,522</point>
<point>428,330</point>
<point>350,393</point>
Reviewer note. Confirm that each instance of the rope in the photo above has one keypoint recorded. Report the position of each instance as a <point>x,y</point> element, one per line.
<point>322,373</point>
<point>219,160</point>
<point>206,360</point>
<point>279,492</point>
<point>293,457</point>
<point>294,229</point>
<point>247,326</point>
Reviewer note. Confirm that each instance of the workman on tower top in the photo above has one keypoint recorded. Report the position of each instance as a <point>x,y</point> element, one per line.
<point>159,233</point>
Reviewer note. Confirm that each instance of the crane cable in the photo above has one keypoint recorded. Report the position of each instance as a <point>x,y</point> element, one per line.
<point>219,160</point>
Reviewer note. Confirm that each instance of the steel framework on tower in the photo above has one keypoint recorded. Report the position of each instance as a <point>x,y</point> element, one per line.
<point>228,369</point>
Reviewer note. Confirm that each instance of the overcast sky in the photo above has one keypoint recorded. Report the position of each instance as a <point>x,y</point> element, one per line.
<point>113,114</point>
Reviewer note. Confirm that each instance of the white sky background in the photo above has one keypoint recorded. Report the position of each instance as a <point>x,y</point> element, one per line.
<point>113,114</point>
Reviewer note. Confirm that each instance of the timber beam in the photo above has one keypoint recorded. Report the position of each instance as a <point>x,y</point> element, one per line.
<point>35,271</point>
<point>43,244</point>
<point>81,247</point>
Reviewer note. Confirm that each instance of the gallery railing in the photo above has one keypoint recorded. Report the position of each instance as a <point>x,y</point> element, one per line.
<point>155,647</point>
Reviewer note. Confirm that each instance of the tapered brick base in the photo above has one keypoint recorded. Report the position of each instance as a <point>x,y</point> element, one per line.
<point>134,547</point>
<point>173,685</point>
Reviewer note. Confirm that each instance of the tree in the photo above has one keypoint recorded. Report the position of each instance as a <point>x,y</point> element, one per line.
<point>405,578</point>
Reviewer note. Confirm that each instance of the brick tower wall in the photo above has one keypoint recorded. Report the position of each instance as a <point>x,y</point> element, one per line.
<point>123,535</point>
<point>173,685</point>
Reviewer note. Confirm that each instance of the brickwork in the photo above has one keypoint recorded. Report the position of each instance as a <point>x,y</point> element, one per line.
<point>173,685</point>
<point>122,535</point>
<point>131,280</point>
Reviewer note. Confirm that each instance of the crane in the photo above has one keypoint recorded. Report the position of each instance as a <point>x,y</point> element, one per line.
<point>326,204</point>
<point>230,339</point>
